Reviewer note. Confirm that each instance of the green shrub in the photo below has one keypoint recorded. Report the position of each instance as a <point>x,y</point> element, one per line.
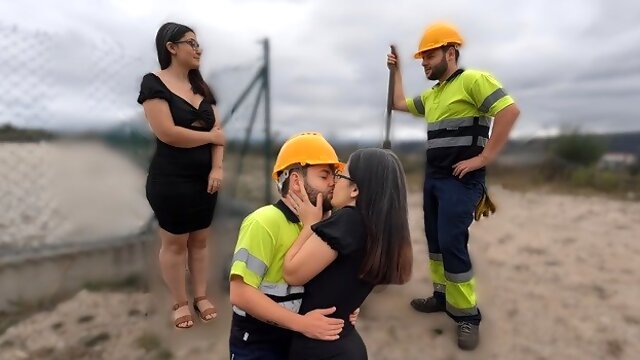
<point>578,149</point>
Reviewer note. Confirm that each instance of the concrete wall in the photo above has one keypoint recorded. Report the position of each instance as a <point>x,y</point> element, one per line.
<point>61,272</point>
<point>50,272</point>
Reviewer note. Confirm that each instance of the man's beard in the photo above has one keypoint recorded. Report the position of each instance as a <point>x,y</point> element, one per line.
<point>439,70</point>
<point>313,196</point>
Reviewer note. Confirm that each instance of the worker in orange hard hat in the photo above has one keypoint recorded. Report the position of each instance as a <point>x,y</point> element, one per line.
<point>265,306</point>
<point>459,111</point>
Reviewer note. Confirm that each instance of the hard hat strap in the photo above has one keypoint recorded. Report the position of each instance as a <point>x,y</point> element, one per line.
<point>285,174</point>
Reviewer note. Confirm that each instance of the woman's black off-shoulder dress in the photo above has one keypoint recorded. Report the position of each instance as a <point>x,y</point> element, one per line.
<point>177,182</point>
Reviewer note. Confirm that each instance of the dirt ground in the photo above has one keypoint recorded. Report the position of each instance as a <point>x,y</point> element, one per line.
<point>557,279</point>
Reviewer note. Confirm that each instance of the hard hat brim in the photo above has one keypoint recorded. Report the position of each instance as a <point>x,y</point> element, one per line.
<point>340,166</point>
<point>418,54</point>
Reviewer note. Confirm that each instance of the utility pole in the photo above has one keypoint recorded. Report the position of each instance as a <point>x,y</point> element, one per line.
<point>390,91</point>
<point>267,123</point>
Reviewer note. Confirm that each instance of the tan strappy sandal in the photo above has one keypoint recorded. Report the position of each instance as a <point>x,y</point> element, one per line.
<point>182,319</point>
<point>203,314</point>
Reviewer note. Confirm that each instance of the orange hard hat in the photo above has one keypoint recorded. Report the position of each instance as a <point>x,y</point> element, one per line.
<point>308,148</point>
<point>437,35</point>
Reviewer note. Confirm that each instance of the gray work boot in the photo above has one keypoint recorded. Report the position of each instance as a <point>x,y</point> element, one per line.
<point>428,305</point>
<point>468,335</point>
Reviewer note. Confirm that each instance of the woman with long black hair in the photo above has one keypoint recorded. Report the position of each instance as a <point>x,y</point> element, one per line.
<point>364,243</point>
<point>186,172</point>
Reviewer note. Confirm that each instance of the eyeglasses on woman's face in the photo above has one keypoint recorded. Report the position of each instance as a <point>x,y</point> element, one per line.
<point>338,175</point>
<point>191,42</point>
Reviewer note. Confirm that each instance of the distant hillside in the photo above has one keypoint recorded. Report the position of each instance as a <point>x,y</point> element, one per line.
<point>10,133</point>
<point>626,142</point>
<point>132,132</point>
<point>137,133</point>
<point>622,142</point>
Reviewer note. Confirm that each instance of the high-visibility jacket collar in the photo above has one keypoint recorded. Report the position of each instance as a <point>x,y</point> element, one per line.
<point>451,77</point>
<point>288,213</point>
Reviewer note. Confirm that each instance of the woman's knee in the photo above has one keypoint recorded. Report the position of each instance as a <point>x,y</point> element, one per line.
<point>197,241</point>
<point>174,245</point>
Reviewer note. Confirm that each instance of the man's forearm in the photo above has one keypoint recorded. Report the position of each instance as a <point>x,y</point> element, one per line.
<point>399,102</point>
<point>502,125</point>
<point>260,306</point>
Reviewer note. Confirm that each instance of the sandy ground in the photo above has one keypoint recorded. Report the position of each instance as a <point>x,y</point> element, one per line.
<point>557,279</point>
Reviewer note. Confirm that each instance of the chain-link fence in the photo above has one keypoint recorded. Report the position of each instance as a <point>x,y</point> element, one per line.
<point>66,193</point>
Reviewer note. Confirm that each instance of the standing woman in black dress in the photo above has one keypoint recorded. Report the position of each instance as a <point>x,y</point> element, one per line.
<point>364,243</point>
<point>185,173</point>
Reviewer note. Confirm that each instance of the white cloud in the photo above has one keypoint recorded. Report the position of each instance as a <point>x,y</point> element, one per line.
<point>573,62</point>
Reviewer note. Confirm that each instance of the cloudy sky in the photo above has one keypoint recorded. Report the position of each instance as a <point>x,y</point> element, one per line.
<point>69,64</point>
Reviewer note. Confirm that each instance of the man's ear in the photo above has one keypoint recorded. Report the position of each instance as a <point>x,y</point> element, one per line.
<point>293,182</point>
<point>451,53</point>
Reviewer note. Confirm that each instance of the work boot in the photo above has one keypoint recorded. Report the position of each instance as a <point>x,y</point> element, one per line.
<point>428,305</point>
<point>468,335</point>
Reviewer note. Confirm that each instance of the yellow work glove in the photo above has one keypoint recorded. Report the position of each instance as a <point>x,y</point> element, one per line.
<point>485,206</point>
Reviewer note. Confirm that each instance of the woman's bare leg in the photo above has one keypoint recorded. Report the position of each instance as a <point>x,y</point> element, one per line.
<point>199,267</point>
<point>172,265</point>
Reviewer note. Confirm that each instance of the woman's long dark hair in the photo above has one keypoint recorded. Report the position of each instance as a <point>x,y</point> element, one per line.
<point>172,32</point>
<point>382,202</point>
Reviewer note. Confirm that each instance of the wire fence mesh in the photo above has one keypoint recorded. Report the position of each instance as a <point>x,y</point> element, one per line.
<point>60,193</point>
